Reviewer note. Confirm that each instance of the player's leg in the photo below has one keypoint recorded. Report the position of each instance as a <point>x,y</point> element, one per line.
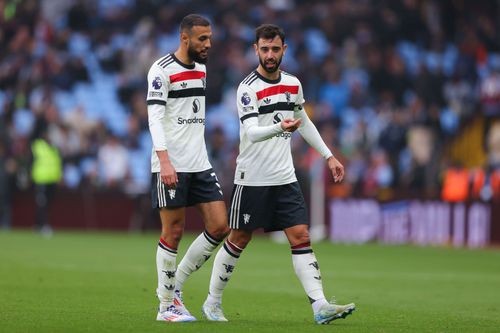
<point>247,207</point>
<point>305,264</point>
<point>206,194</point>
<point>224,264</point>
<point>307,270</point>
<point>172,221</point>
<point>171,204</point>
<point>292,214</point>
<point>214,216</point>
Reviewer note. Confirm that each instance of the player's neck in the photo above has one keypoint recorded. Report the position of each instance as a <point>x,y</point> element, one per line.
<point>182,56</point>
<point>269,76</point>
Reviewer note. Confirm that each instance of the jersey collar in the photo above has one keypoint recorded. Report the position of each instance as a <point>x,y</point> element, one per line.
<point>190,66</point>
<point>267,80</point>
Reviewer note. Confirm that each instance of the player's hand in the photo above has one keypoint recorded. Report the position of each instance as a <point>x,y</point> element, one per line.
<point>336,168</point>
<point>168,174</point>
<point>290,124</point>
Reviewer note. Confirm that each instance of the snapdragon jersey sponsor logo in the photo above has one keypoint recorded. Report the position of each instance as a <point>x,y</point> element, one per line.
<point>189,121</point>
<point>278,117</point>
<point>284,135</point>
<point>196,105</point>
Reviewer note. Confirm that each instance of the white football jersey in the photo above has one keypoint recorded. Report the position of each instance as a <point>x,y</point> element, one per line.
<point>180,89</point>
<point>268,162</point>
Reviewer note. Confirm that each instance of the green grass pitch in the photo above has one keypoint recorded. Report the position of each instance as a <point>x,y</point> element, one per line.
<point>105,282</point>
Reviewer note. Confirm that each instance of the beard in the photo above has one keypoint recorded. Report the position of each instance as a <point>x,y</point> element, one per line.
<point>195,56</point>
<point>272,69</point>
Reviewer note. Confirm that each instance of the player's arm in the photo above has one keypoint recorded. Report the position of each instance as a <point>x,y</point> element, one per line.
<point>249,112</point>
<point>156,100</point>
<point>258,133</point>
<point>310,133</point>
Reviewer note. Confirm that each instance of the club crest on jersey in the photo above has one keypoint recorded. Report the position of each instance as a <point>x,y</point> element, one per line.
<point>245,99</point>
<point>157,83</point>
<point>171,193</point>
<point>288,96</point>
<point>246,218</point>
<point>196,105</point>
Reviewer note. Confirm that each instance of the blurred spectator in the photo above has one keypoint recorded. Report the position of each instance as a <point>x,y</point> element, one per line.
<point>46,172</point>
<point>486,184</point>
<point>7,169</point>
<point>456,183</point>
<point>378,176</point>
<point>490,98</point>
<point>112,158</point>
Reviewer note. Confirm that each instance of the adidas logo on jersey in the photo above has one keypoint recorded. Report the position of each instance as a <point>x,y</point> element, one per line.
<point>267,100</point>
<point>184,85</point>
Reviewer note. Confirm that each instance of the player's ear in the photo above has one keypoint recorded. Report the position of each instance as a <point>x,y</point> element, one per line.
<point>184,38</point>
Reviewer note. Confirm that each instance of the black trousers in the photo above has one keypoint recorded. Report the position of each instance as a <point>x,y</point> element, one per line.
<point>44,194</point>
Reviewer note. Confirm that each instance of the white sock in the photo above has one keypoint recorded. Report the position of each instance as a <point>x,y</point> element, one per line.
<point>197,254</point>
<point>224,264</point>
<point>165,266</point>
<point>307,270</point>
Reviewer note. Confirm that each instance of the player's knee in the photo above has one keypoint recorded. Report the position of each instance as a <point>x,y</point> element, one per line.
<point>172,237</point>
<point>240,239</point>
<point>219,232</point>
<point>300,237</point>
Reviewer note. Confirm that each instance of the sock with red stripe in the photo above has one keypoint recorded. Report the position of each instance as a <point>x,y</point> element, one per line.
<point>165,266</point>
<point>307,270</point>
<point>224,264</point>
<point>197,254</point>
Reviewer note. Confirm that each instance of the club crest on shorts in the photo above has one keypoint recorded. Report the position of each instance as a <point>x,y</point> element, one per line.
<point>171,193</point>
<point>246,218</point>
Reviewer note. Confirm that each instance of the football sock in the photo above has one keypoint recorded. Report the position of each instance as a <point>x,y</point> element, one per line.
<point>224,264</point>
<point>165,266</point>
<point>197,254</point>
<point>307,270</point>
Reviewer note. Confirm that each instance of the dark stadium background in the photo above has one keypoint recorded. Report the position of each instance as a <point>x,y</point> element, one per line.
<point>406,93</point>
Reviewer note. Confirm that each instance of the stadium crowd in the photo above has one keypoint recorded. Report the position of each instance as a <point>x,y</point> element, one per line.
<point>389,84</point>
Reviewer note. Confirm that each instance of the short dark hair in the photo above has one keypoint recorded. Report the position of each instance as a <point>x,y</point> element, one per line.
<point>269,31</point>
<point>191,20</point>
